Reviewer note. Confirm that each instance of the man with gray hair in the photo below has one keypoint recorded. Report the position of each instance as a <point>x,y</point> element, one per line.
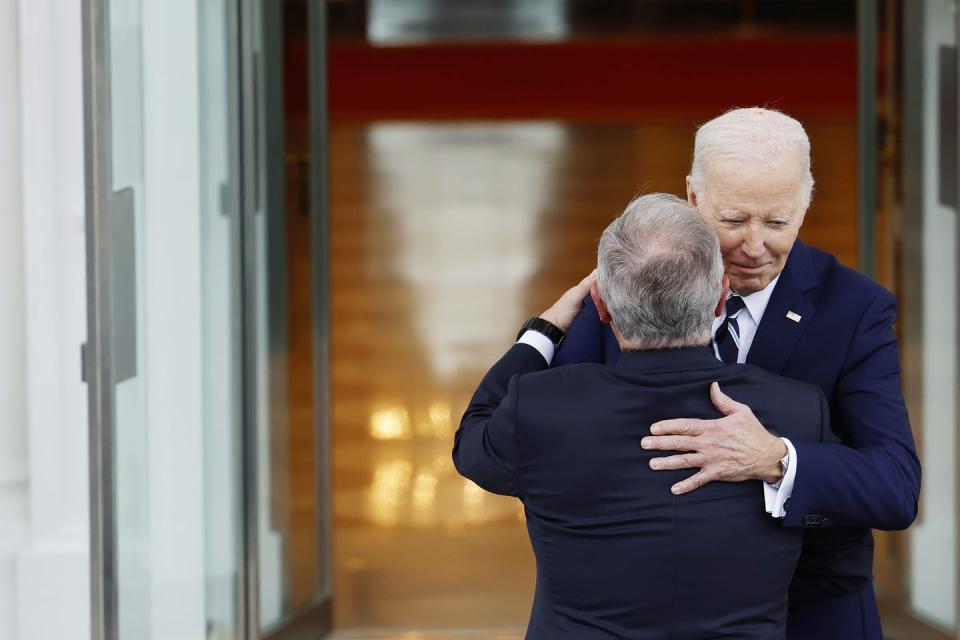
<point>658,270</point>
<point>795,311</point>
<point>619,556</point>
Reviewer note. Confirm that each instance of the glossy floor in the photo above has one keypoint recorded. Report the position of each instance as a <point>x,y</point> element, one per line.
<point>444,239</point>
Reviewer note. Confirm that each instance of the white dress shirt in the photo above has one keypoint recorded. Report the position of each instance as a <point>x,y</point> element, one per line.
<point>747,320</point>
<point>774,495</point>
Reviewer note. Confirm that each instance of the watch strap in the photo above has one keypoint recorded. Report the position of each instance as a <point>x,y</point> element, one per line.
<point>784,466</point>
<point>545,327</point>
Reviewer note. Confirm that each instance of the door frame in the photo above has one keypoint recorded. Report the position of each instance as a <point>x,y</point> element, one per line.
<point>96,353</point>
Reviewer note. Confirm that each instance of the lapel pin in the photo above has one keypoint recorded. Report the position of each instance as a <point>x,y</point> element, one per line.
<point>793,316</point>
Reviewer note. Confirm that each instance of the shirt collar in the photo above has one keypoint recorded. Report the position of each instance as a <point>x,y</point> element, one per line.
<point>668,360</point>
<point>757,301</point>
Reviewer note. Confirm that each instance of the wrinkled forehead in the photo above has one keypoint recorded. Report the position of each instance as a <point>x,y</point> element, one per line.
<point>783,174</point>
<point>762,189</point>
<point>789,162</point>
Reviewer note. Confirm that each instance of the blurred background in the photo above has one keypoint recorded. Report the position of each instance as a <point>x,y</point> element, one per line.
<point>294,234</point>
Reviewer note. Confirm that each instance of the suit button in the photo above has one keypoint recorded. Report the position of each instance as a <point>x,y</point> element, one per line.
<point>813,520</point>
<point>786,504</point>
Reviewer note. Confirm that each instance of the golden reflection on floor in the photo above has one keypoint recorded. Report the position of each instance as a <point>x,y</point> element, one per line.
<point>444,238</point>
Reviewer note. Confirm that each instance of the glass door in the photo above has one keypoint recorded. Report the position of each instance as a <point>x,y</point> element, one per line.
<point>289,317</point>
<point>163,358</point>
<point>207,350</point>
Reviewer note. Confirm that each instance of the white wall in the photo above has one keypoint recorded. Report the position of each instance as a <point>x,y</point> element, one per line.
<point>13,411</point>
<point>933,567</point>
<point>43,415</point>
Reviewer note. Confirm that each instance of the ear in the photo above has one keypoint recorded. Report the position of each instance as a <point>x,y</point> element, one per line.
<point>599,303</point>
<point>723,296</point>
<point>691,196</point>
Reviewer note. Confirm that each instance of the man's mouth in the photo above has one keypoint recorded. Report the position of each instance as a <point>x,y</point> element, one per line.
<point>750,270</point>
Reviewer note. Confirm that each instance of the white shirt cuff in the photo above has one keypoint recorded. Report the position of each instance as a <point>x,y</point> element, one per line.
<point>540,342</point>
<point>776,495</point>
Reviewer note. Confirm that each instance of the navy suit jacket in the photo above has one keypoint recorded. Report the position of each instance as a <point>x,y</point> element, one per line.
<point>619,556</point>
<point>844,344</point>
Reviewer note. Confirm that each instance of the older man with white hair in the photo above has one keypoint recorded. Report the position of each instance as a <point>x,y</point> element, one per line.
<point>618,556</point>
<point>796,311</point>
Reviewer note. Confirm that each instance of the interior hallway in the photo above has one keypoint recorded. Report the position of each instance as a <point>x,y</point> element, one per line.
<point>445,237</point>
<point>471,173</point>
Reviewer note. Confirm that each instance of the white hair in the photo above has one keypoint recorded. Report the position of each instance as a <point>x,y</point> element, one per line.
<point>660,273</point>
<point>756,135</point>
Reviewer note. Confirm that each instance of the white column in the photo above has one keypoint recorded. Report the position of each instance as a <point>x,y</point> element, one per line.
<point>13,449</point>
<point>52,567</point>
<point>933,578</point>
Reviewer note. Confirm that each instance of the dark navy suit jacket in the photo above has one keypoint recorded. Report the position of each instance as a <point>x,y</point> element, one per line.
<point>619,556</point>
<point>844,344</point>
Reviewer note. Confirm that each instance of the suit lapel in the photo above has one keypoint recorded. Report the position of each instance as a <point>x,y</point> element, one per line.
<point>779,329</point>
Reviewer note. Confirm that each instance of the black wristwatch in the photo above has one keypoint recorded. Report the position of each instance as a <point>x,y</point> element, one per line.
<point>547,328</point>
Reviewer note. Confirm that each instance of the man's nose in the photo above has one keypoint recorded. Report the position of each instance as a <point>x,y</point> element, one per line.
<point>753,242</point>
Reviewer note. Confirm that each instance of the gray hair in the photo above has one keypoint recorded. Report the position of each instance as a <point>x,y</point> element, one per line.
<point>756,135</point>
<point>660,273</point>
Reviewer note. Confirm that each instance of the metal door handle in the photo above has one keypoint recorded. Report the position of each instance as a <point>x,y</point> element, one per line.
<point>123,283</point>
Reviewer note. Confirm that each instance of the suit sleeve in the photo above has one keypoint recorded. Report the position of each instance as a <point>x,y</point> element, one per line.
<point>826,432</point>
<point>873,479</point>
<point>583,341</point>
<point>485,446</point>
